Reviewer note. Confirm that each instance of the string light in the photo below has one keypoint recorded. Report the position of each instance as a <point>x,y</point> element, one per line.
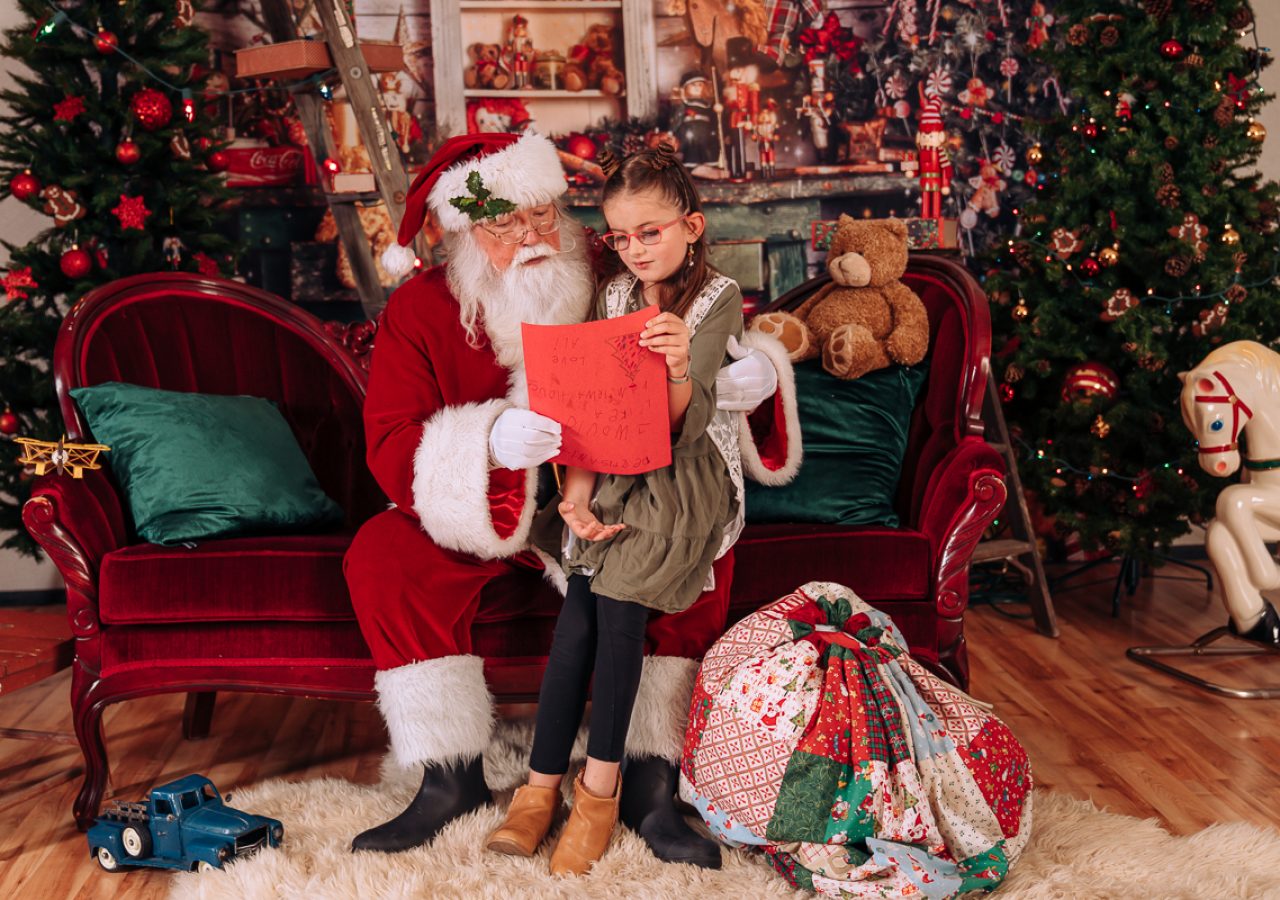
<point>188,105</point>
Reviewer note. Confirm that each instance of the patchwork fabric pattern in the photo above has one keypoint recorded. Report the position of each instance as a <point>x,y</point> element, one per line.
<point>814,736</point>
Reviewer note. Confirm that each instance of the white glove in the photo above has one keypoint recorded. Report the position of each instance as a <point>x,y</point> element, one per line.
<point>748,382</point>
<point>521,439</point>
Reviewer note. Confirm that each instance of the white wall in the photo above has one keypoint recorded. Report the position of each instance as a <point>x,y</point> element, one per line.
<point>18,224</point>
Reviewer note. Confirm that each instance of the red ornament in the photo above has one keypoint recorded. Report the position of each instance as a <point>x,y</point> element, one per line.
<point>218,161</point>
<point>151,108</point>
<point>1091,130</point>
<point>105,42</point>
<point>1171,50</point>
<point>203,144</point>
<point>75,263</point>
<point>16,280</point>
<point>1006,392</point>
<point>127,152</point>
<point>67,109</point>
<point>1087,380</point>
<point>1089,266</point>
<point>24,185</point>
<point>206,265</point>
<point>9,422</point>
<point>132,212</point>
<point>997,118</point>
<point>582,146</point>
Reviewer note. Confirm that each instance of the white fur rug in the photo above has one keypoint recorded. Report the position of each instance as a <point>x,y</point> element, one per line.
<point>1077,852</point>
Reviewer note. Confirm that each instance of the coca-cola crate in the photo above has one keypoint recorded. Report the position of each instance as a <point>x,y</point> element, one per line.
<point>264,166</point>
<point>298,59</point>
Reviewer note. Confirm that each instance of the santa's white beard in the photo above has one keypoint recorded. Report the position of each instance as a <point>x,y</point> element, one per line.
<point>556,291</point>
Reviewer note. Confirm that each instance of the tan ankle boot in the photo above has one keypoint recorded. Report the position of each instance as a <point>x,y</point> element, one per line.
<point>528,820</point>
<point>587,833</point>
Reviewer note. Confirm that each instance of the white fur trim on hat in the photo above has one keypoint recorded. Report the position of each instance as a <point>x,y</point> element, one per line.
<point>451,482</point>
<point>439,711</point>
<point>528,173</point>
<point>662,707</point>
<point>751,463</point>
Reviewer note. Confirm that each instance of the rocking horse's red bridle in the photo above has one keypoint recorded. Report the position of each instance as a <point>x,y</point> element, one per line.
<point>1238,408</point>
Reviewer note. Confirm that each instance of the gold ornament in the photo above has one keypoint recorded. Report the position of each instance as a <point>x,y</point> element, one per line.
<point>1256,132</point>
<point>1108,256</point>
<point>1020,311</point>
<point>1100,427</point>
<point>1035,155</point>
<point>1230,236</point>
<point>1014,373</point>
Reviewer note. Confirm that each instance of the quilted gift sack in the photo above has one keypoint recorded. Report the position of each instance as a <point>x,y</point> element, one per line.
<point>814,736</point>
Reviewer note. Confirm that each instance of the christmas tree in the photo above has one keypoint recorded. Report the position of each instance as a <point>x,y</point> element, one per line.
<point>979,61</point>
<point>1151,241</point>
<point>113,136</point>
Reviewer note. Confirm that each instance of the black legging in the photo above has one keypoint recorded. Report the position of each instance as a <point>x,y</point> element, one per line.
<point>590,629</point>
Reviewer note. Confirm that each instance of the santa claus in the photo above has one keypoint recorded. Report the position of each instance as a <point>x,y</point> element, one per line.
<point>459,454</point>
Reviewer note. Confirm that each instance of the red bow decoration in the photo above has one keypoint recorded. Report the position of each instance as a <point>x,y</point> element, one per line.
<point>831,38</point>
<point>1237,90</point>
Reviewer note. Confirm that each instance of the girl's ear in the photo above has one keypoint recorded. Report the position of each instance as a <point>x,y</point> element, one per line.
<point>697,223</point>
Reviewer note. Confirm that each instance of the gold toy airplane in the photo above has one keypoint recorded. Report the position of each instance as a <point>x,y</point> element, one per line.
<point>60,455</point>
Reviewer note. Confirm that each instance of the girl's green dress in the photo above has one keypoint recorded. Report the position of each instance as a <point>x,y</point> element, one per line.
<point>680,518</point>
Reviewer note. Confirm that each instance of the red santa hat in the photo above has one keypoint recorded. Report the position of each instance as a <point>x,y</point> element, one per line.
<point>930,116</point>
<point>521,169</point>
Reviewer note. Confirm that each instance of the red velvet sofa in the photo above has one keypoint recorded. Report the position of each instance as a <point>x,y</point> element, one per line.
<point>271,613</point>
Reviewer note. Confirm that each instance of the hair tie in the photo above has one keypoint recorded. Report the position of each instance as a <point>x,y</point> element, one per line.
<point>608,162</point>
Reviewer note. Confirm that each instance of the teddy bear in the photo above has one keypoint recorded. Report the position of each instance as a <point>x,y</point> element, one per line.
<point>866,318</point>
<point>602,72</point>
<point>575,76</point>
<point>487,71</point>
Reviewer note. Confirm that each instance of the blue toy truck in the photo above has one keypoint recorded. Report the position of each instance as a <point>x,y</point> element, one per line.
<point>181,825</point>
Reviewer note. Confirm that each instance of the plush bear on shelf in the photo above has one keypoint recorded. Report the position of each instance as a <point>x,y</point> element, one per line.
<point>487,71</point>
<point>866,319</point>
<point>603,73</point>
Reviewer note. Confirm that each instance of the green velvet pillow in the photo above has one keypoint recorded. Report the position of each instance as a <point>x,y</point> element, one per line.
<point>855,435</point>
<point>197,466</point>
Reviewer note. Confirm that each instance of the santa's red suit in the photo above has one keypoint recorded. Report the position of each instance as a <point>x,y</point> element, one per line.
<point>416,571</point>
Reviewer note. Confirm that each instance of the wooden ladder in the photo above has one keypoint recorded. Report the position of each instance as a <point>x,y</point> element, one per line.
<point>375,132</point>
<point>1021,550</point>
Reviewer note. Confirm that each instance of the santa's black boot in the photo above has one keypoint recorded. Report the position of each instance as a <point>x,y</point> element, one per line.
<point>648,808</point>
<point>447,792</point>
<point>1265,631</point>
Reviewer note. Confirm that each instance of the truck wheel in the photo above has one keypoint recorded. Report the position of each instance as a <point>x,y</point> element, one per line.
<point>135,841</point>
<point>106,860</point>
<point>203,866</point>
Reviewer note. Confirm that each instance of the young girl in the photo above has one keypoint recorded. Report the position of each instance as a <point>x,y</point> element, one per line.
<point>642,542</point>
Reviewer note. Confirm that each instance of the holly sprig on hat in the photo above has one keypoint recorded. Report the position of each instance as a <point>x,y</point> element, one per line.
<point>481,204</point>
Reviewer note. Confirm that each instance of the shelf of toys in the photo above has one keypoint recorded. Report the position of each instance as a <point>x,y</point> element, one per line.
<point>511,66</point>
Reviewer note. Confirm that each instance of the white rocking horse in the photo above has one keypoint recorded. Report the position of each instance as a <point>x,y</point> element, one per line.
<point>1234,387</point>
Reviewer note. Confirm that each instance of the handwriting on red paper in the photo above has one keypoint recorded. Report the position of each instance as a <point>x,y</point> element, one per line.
<point>608,393</point>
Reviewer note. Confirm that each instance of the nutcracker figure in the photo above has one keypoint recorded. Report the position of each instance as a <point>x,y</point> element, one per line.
<point>693,123</point>
<point>397,107</point>
<point>517,53</point>
<point>819,108</point>
<point>934,160</point>
<point>741,98</point>
<point>766,135</point>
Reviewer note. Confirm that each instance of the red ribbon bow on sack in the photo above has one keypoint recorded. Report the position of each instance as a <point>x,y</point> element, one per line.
<point>831,38</point>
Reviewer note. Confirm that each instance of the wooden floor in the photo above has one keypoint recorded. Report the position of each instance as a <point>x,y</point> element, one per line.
<point>1097,727</point>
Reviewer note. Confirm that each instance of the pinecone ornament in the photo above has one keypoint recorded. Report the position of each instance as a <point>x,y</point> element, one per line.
<point>1242,18</point>
<point>1235,293</point>
<point>1165,171</point>
<point>1225,114</point>
<point>1168,195</point>
<point>1158,9</point>
<point>1078,35</point>
<point>1210,141</point>
<point>1177,266</point>
<point>1203,7</point>
<point>1110,36</point>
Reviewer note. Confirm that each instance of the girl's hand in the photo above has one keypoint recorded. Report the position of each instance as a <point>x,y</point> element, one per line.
<point>667,334</point>
<point>584,524</point>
